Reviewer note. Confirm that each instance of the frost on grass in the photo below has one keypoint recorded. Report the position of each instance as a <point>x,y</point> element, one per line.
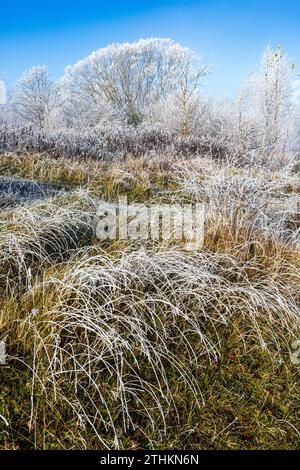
<point>121,339</point>
<point>122,332</point>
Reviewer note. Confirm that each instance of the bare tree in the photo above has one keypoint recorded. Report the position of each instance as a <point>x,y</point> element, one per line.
<point>190,72</point>
<point>36,96</point>
<point>274,93</point>
<point>258,123</point>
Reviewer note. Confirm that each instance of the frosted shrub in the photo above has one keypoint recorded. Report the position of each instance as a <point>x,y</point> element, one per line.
<point>105,142</point>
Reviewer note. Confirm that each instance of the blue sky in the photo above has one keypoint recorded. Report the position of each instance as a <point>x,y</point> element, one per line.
<point>233,32</point>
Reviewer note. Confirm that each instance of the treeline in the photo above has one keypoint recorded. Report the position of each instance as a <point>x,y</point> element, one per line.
<point>148,95</point>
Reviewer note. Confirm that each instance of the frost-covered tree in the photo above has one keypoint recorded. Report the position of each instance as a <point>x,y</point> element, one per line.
<point>3,100</point>
<point>186,93</point>
<point>82,115</point>
<point>234,123</point>
<point>190,118</point>
<point>258,123</point>
<point>295,134</point>
<point>184,110</point>
<point>274,101</point>
<point>36,97</point>
<point>132,76</point>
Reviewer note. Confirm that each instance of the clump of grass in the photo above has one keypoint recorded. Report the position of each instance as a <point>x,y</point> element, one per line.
<point>138,178</point>
<point>119,339</point>
<point>40,234</point>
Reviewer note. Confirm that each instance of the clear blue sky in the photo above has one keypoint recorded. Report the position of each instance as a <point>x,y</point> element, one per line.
<point>234,32</point>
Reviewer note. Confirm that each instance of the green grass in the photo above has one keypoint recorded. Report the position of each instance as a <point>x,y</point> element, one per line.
<point>250,403</point>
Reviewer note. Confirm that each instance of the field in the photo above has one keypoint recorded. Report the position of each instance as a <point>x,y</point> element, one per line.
<point>137,344</point>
